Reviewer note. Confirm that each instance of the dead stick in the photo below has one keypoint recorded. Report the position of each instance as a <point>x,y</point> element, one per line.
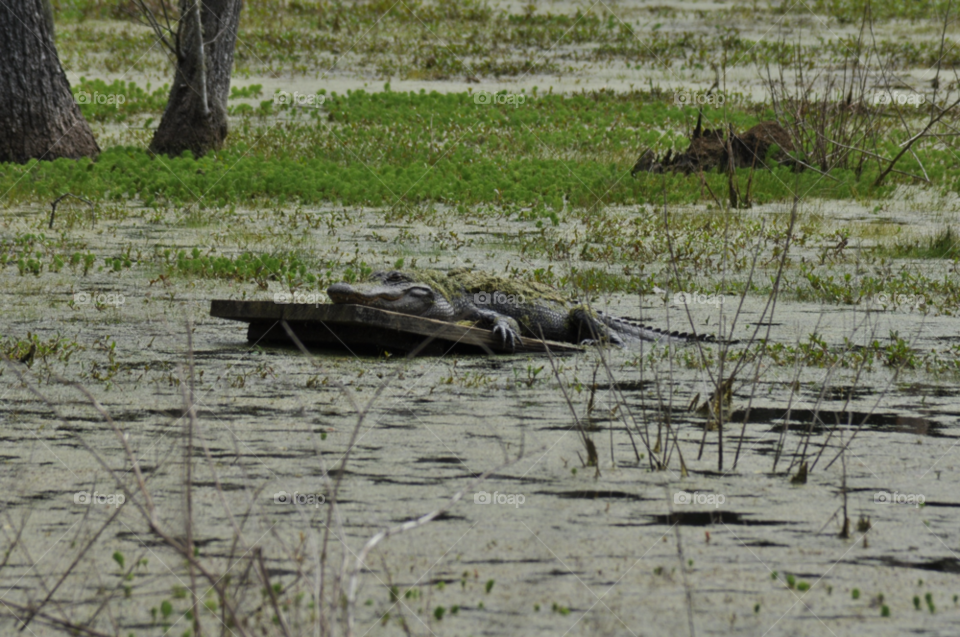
<point>53,206</point>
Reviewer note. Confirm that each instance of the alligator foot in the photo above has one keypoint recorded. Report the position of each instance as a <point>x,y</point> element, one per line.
<point>608,339</point>
<point>507,334</point>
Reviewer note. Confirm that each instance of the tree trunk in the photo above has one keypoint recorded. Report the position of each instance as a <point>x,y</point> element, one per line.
<point>39,119</point>
<point>196,115</point>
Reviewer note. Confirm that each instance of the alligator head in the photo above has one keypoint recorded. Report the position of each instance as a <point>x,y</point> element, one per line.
<point>394,291</point>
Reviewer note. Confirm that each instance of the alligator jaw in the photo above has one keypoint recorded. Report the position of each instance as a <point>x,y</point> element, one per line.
<point>345,293</point>
<point>405,298</point>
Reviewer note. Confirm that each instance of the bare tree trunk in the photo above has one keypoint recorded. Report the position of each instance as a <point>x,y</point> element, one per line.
<point>196,115</point>
<point>39,119</point>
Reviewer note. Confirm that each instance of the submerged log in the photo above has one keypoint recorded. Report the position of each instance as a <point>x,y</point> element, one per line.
<point>708,150</point>
<point>349,326</point>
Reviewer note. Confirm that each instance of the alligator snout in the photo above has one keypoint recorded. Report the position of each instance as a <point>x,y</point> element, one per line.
<point>341,292</point>
<point>345,293</point>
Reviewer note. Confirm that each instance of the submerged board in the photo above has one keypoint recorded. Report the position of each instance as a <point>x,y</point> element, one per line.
<point>348,326</point>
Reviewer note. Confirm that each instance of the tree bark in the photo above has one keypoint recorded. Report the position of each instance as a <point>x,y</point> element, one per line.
<point>39,119</point>
<point>196,115</point>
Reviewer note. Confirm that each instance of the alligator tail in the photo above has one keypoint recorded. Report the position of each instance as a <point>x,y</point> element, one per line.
<point>637,330</point>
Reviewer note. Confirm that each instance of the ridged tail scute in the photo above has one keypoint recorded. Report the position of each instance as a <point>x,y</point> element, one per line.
<point>636,329</point>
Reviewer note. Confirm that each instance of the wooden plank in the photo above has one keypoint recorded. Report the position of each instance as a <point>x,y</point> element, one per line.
<point>357,324</point>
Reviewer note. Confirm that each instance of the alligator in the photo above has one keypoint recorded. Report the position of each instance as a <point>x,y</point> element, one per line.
<point>709,149</point>
<point>508,307</point>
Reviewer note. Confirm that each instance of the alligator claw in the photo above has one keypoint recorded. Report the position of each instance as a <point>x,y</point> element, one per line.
<point>611,340</point>
<point>507,334</point>
<point>605,337</point>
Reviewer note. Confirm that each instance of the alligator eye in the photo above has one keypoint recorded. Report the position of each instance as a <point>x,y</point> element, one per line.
<point>420,290</point>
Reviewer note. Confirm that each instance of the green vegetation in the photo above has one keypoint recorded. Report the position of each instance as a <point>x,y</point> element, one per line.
<point>943,245</point>
<point>447,39</point>
<point>289,269</point>
<point>33,348</point>
<point>552,152</point>
<point>853,10</point>
<point>118,101</point>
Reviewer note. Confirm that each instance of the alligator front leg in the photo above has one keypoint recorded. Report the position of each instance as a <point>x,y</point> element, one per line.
<point>502,325</point>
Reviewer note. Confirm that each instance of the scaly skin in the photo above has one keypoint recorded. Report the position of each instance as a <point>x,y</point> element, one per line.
<point>510,308</point>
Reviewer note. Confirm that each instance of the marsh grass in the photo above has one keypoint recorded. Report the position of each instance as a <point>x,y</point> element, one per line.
<point>943,245</point>
<point>555,154</point>
<point>837,117</point>
<point>851,11</point>
<point>468,39</point>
